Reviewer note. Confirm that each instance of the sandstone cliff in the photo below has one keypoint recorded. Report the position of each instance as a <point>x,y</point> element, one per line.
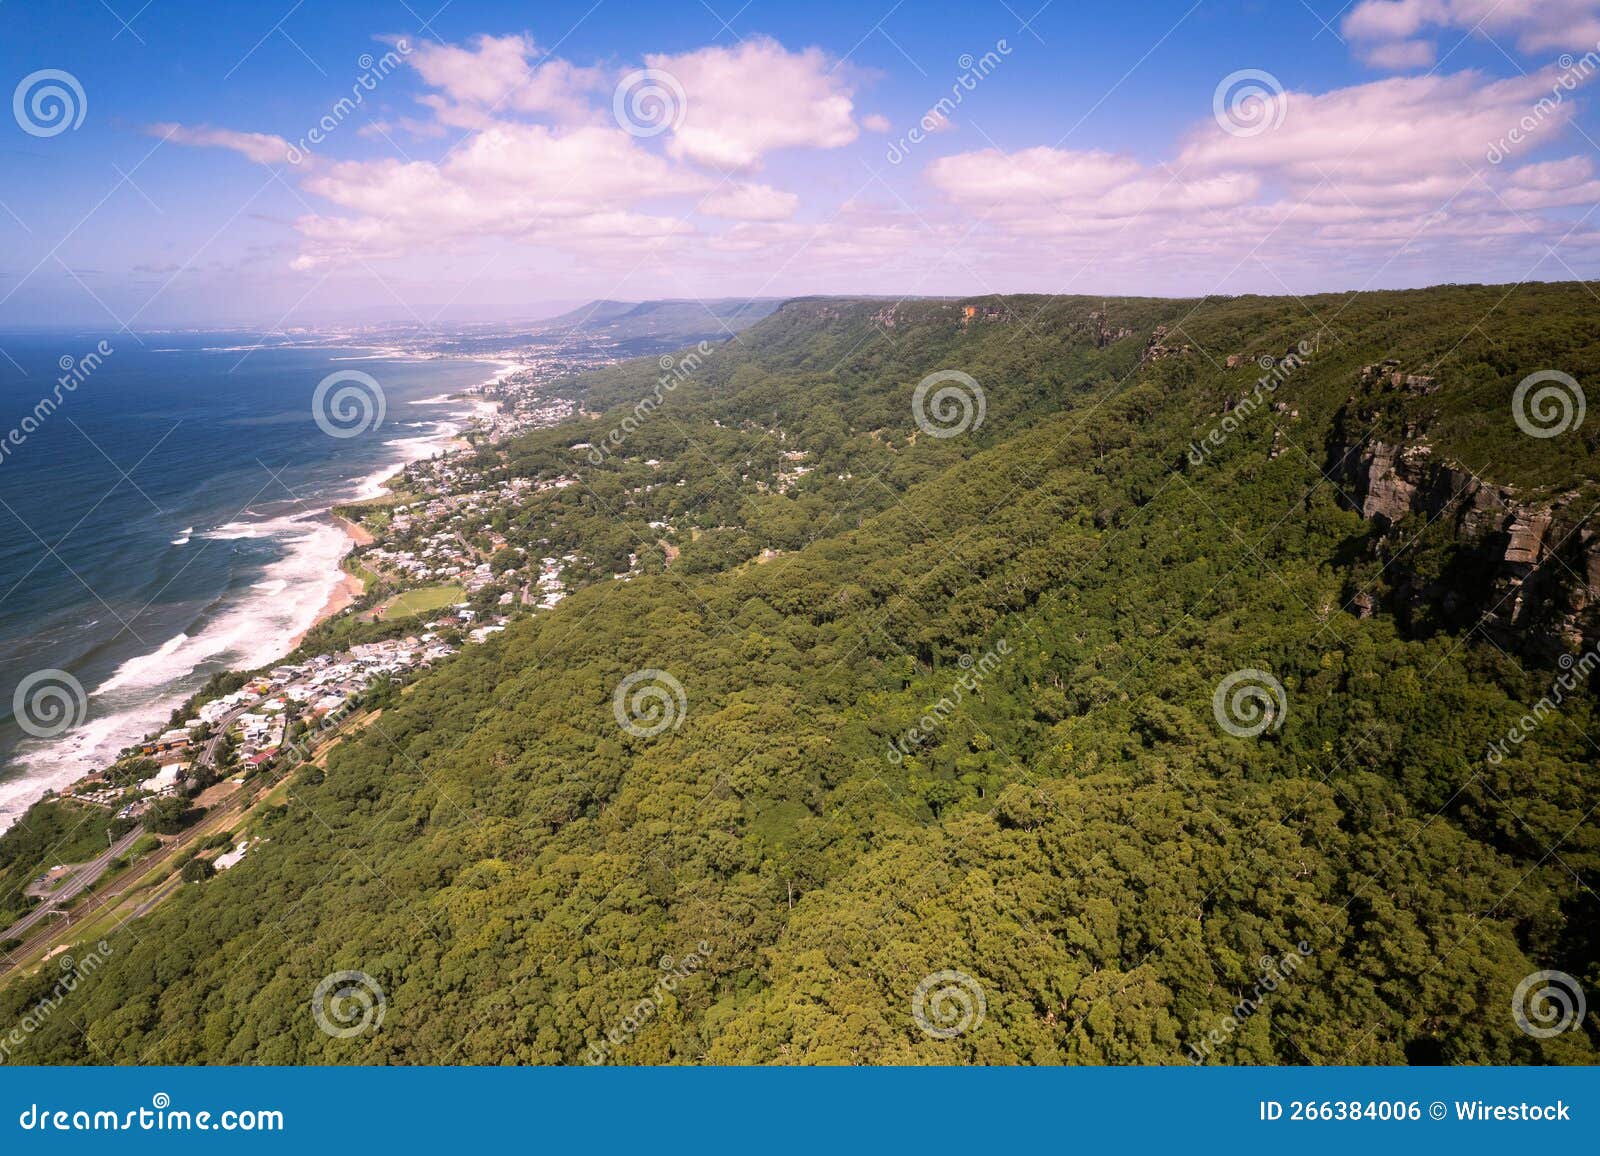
<point>1456,550</point>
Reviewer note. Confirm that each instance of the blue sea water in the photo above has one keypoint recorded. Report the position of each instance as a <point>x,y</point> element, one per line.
<point>167,517</point>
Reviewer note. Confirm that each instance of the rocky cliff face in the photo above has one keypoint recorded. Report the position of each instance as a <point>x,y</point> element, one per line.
<point>1526,572</point>
<point>1159,348</point>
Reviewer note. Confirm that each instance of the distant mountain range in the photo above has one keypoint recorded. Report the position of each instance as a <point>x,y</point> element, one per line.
<point>680,322</point>
<point>627,328</point>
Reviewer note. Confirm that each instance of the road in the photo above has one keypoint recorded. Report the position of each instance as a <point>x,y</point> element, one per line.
<point>218,814</point>
<point>208,753</point>
<point>82,879</point>
<point>87,875</point>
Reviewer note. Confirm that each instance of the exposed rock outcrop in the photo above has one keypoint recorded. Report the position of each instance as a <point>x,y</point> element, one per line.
<point>1455,550</point>
<point>971,313</point>
<point>1528,573</point>
<point>1104,332</point>
<point>1158,349</point>
<point>1388,373</point>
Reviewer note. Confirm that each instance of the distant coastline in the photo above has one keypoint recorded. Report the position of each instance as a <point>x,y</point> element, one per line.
<point>349,587</point>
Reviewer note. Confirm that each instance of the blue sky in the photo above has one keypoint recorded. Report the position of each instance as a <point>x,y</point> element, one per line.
<point>488,167</point>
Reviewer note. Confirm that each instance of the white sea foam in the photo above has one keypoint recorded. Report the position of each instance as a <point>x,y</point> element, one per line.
<point>439,439</point>
<point>386,354</point>
<point>408,450</point>
<point>503,368</point>
<point>237,532</point>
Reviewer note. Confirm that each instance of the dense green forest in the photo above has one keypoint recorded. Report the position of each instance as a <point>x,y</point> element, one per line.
<point>949,705</point>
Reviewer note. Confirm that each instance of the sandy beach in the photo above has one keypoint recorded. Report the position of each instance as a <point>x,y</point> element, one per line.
<point>358,534</point>
<point>349,588</point>
<point>343,595</point>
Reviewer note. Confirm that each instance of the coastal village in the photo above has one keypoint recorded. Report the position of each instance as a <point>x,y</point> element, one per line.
<point>447,579</point>
<point>255,725</point>
<point>421,543</point>
<point>431,540</point>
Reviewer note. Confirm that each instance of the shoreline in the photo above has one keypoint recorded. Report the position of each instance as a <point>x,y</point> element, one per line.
<point>349,587</point>
<point>467,404</point>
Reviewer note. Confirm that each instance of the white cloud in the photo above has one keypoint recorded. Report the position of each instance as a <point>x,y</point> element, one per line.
<point>263,148</point>
<point>751,202</point>
<point>1399,55</point>
<point>1390,177</point>
<point>1532,25</point>
<point>749,100</point>
<point>1370,137</point>
<point>1366,176</point>
<point>500,75</point>
<point>524,181</point>
<point>1393,19</point>
<point>1034,176</point>
<point>1552,184</point>
<point>543,161</point>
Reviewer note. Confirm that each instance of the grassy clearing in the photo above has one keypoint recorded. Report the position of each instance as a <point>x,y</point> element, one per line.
<point>422,600</point>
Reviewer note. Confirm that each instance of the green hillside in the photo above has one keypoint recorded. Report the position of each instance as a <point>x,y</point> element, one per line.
<point>950,704</point>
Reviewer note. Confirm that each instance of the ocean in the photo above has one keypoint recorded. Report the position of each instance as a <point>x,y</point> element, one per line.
<point>164,517</point>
